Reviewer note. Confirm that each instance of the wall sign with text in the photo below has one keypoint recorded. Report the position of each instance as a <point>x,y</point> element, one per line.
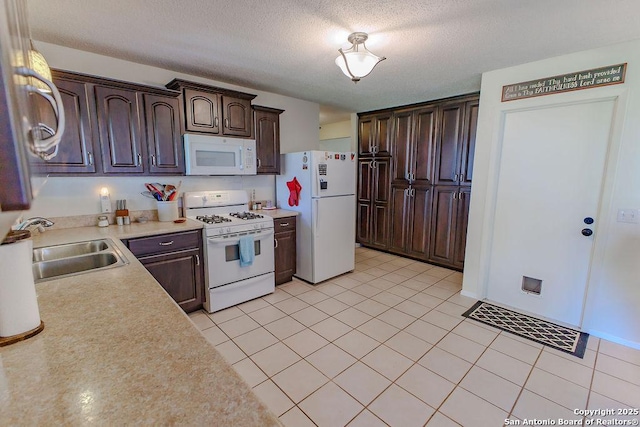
<point>596,77</point>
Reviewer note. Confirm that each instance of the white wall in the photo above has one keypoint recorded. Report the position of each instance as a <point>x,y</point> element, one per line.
<point>613,296</point>
<point>335,130</point>
<point>79,196</point>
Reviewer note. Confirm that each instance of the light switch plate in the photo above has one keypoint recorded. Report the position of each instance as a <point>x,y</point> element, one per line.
<point>628,215</point>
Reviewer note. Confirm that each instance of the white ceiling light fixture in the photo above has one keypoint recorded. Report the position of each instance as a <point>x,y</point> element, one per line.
<point>357,61</point>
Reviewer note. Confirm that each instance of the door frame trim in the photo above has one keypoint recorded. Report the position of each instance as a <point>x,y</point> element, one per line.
<point>620,96</point>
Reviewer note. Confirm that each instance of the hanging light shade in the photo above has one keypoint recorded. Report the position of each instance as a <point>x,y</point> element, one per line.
<point>40,66</point>
<point>357,61</point>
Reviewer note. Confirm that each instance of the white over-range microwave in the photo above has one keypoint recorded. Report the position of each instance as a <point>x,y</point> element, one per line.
<point>216,155</point>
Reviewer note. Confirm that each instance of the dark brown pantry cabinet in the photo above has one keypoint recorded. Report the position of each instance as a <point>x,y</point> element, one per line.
<point>372,212</point>
<point>176,261</point>
<point>214,110</point>
<point>285,248</point>
<point>416,204</point>
<point>267,130</point>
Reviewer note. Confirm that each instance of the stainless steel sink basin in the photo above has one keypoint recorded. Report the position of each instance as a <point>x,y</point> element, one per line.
<point>53,262</point>
<point>65,251</point>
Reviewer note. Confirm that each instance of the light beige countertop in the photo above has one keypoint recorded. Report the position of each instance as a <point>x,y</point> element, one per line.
<point>117,350</point>
<point>277,213</point>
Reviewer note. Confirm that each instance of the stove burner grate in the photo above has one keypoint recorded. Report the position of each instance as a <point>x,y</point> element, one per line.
<point>246,215</point>
<point>212,219</point>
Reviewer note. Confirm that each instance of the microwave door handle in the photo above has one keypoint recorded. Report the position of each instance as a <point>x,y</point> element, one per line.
<point>240,156</point>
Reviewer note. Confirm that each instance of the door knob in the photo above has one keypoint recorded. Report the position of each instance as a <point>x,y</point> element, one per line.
<point>587,232</point>
<point>588,220</point>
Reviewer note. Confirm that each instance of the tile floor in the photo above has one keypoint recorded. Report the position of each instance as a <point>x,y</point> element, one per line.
<point>387,345</point>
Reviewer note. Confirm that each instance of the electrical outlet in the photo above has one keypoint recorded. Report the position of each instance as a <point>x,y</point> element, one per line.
<point>628,215</point>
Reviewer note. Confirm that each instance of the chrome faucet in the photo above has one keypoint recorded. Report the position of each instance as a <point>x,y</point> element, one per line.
<point>38,220</point>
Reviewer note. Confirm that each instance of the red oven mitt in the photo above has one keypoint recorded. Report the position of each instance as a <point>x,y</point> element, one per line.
<point>294,191</point>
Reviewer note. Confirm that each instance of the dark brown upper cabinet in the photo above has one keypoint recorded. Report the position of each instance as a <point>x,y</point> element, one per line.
<point>76,152</point>
<point>164,142</point>
<point>215,111</point>
<point>119,130</point>
<point>469,142</point>
<point>456,143</point>
<point>413,145</point>
<point>115,127</point>
<point>267,128</point>
<point>202,111</point>
<point>375,134</point>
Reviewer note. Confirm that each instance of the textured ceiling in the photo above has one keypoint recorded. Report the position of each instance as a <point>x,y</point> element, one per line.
<point>434,48</point>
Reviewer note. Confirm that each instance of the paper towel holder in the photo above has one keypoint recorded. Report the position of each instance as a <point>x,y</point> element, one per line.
<point>16,236</point>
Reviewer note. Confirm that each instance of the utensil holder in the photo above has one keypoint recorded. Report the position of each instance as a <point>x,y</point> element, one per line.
<point>167,211</point>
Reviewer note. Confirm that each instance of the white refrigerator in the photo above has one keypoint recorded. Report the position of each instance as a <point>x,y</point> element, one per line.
<point>326,202</point>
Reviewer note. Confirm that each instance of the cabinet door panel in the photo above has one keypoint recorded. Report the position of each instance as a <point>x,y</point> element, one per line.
<point>237,116</point>
<point>119,130</point>
<point>462,219</point>
<point>381,181</point>
<point>402,147</point>
<point>180,275</point>
<point>164,143</point>
<point>365,135</point>
<point>75,152</point>
<point>448,147</point>
<point>202,113</point>
<point>420,222</point>
<point>399,228</point>
<point>364,181</point>
<point>383,135</point>
<point>469,144</point>
<point>364,219</point>
<point>267,141</point>
<point>379,227</point>
<point>443,224</point>
<point>424,132</point>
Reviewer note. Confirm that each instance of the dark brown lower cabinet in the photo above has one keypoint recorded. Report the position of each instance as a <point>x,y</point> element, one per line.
<point>285,249</point>
<point>176,261</point>
<point>410,218</point>
<point>449,225</point>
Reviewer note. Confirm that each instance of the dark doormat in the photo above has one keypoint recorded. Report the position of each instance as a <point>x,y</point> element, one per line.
<point>541,331</point>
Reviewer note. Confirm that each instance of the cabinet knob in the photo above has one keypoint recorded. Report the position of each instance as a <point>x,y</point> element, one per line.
<point>197,259</point>
<point>90,155</point>
<point>258,160</point>
<point>139,159</point>
<point>275,243</point>
<point>169,243</point>
<point>153,159</point>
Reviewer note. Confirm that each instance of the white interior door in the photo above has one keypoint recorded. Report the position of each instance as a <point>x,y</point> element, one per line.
<point>550,180</point>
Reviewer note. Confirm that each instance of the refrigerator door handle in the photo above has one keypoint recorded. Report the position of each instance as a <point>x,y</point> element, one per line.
<point>317,203</point>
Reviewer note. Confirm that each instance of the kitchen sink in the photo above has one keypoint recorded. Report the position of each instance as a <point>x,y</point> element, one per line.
<point>48,253</point>
<point>52,262</point>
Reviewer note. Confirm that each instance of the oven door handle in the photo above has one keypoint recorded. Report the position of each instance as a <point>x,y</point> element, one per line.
<point>225,241</point>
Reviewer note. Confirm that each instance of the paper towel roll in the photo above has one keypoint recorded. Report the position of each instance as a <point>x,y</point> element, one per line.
<point>19,311</point>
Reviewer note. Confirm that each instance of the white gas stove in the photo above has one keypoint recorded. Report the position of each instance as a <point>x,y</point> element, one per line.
<point>232,279</point>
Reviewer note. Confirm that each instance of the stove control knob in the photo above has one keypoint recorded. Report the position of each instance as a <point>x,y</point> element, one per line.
<point>255,226</point>
<point>228,229</point>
